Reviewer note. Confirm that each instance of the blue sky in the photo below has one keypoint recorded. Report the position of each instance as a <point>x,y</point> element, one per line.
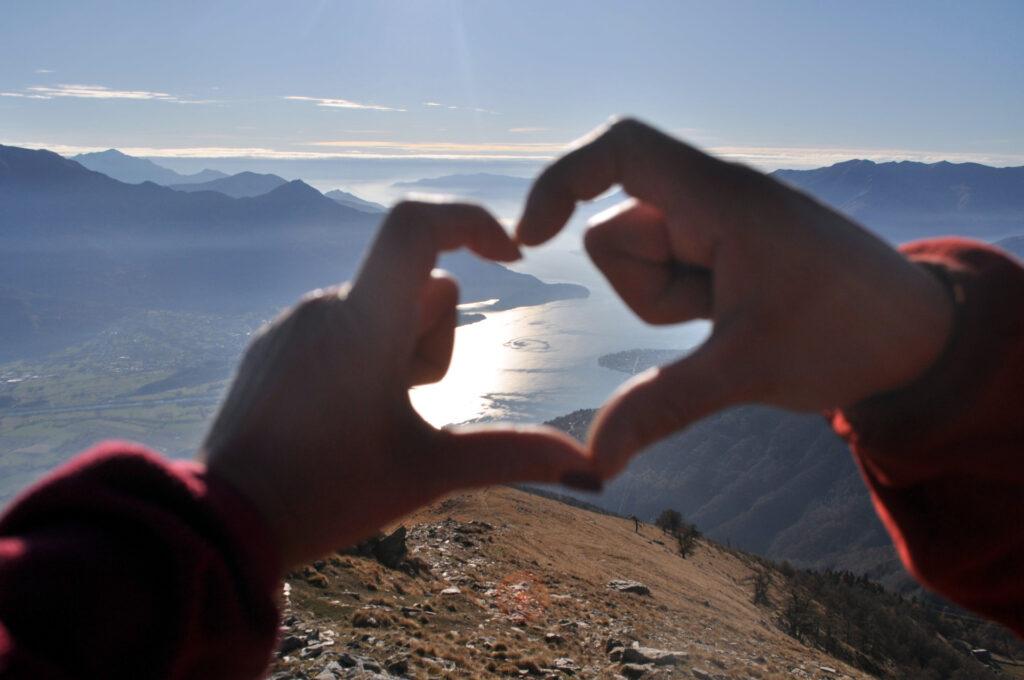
<point>776,84</point>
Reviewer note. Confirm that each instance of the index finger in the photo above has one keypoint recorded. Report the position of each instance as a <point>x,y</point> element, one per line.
<point>409,241</point>
<point>649,165</point>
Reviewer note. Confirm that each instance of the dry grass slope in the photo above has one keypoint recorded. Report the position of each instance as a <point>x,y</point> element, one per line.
<point>518,587</point>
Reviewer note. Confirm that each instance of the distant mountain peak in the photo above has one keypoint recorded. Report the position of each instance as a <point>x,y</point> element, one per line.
<point>296,187</point>
<point>352,201</point>
<point>132,170</point>
<point>114,153</point>
<point>241,185</point>
<point>853,162</point>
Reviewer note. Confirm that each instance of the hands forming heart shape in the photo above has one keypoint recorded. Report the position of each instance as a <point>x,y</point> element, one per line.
<point>809,312</point>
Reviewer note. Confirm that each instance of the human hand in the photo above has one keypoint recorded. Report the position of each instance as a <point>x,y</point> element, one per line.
<point>317,429</point>
<point>809,310</point>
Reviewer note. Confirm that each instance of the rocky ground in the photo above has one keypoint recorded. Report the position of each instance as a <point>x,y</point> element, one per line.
<point>501,583</point>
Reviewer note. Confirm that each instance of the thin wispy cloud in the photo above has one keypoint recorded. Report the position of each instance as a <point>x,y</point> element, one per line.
<point>76,91</point>
<point>453,107</point>
<point>538,150</point>
<point>44,71</point>
<point>343,104</point>
<point>22,95</point>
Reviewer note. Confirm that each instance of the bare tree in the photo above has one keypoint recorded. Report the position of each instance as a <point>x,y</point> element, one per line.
<point>761,583</point>
<point>669,521</point>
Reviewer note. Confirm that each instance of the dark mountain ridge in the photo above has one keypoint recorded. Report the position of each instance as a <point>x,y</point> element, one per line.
<point>41,192</point>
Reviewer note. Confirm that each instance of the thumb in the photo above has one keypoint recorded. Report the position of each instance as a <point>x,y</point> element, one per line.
<point>474,456</point>
<point>661,401</point>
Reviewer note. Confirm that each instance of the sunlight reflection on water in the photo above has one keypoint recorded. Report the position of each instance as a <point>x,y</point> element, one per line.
<point>532,364</point>
<point>536,363</point>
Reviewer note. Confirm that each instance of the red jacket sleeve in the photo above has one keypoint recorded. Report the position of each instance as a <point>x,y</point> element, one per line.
<point>123,565</point>
<point>944,458</point>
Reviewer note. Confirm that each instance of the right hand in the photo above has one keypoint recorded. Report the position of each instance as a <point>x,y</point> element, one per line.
<point>810,311</point>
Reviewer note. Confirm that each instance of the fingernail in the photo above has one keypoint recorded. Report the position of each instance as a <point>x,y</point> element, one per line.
<point>583,481</point>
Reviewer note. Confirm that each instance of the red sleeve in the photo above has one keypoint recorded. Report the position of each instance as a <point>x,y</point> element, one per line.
<point>123,565</point>
<point>944,458</point>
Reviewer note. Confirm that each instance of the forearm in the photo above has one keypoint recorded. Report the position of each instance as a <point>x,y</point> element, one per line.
<point>944,458</point>
<point>151,564</point>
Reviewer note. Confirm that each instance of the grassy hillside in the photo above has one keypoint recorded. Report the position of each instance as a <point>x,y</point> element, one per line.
<point>501,583</point>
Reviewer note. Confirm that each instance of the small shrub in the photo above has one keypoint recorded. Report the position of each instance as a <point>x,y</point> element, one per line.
<point>687,537</point>
<point>761,582</point>
<point>669,521</point>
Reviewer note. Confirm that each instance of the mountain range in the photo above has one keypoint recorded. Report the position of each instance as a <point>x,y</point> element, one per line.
<point>907,200</point>
<point>353,201</point>
<point>133,170</point>
<point>242,185</point>
<point>73,237</point>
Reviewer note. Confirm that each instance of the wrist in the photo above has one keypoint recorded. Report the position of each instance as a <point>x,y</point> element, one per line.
<point>260,496</point>
<point>916,331</point>
<point>973,377</point>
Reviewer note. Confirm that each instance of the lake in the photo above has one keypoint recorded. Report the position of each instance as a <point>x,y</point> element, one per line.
<point>531,364</point>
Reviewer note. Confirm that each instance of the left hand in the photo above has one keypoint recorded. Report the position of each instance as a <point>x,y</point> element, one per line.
<point>318,430</point>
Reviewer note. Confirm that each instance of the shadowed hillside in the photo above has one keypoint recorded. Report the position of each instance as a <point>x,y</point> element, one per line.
<point>779,484</point>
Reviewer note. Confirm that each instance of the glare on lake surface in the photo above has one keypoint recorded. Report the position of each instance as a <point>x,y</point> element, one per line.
<point>532,364</point>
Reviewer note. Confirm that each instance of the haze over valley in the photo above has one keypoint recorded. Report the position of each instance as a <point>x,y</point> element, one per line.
<point>127,303</point>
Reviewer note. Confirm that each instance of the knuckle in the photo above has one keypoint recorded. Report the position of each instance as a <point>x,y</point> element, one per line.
<point>657,314</point>
<point>594,239</point>
<point>429,373</point>
<point>449,288</point>
<point>410,221</point>
<point>630,134</point>
<point>628,127</point>
<point>310,311</point>
<point>409,210</point>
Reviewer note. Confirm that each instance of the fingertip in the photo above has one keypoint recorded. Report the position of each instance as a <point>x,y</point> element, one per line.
<point>512,253</point>
<point>526,232</point>
<point>612,443</point>
<point>498,244</point>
